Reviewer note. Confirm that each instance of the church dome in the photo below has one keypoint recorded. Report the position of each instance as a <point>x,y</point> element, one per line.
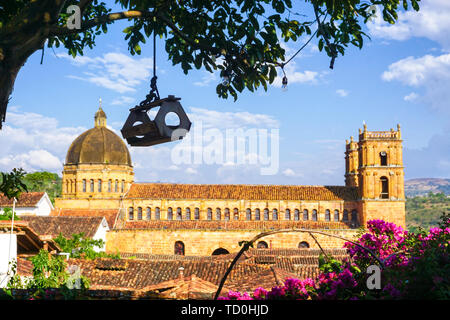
<point>98,145</point>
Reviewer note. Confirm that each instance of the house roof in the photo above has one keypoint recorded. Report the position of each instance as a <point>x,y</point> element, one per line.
<point>26,199</point>
<point>28,240</point>
<point>66,225</point>
<point>24,267</point>
<point>239,191</point>
<point>233,225</point>
<point>109,214</point>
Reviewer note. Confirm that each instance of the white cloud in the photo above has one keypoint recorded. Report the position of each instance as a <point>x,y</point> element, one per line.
<point>432,21</point>
<point>432,73</point>
<point>411,97</point>
<point>289,172</point>
<point>342,93</point>
<point>123,100</point>
<point>115,71</point>
<point>206,79</point>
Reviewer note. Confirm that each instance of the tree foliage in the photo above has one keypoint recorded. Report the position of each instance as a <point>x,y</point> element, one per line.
<point>43,181</point>
<point>242,38</point>
<point>12,184</point>
<point>79,246</point>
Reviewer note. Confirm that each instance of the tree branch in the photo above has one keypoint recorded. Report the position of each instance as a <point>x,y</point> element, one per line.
<point>132,14</point>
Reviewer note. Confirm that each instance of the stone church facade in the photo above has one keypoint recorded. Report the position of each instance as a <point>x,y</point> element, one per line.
<point>199,219</point>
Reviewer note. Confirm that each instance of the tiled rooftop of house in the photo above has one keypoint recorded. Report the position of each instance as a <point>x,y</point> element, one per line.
<point>109,214</point>
<point>248,192</point>
<point>67,226</point>
<point>26,199</point>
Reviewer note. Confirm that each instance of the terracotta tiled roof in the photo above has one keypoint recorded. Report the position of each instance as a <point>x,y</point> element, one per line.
<point>296,252</point>
<point>66,225</point>
<point>109,214</point>
<point>233,225</point>
<point>26,199</point>
<point>24,267</point>
<point>248,192</point>
<point>172,257</point>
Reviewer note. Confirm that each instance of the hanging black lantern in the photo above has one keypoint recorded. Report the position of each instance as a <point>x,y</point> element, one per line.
<point>139,130</point>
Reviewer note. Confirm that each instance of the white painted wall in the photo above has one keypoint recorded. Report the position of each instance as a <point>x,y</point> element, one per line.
<point>101,234</point>
<point>4,249</point>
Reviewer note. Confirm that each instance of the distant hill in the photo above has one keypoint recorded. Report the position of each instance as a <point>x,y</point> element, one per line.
<point>422,186</point>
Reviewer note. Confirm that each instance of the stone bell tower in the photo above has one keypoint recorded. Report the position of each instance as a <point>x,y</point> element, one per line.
<point>380,175</point>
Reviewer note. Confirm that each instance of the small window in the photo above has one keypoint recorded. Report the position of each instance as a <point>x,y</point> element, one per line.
<point>275,214</point>
<point>139,213</point>
<point>84,185</point>
<point>196,213</point>
<point>179,248</point>
<point>218,214</point>
<point>266,214</point>
<point>130,213</point>
<point>122,186</point>
<point>248,214</point>
<point>149,213</point>
<point>227,214</point>
<point>354,216</point>
<point>209,214</point>
<point>116,186</point>
<point>336,215</point>
<point>109,185</point>
<point>169,214</point>
<point>235,214</point>
<point>92,185</point>
<point>257,214</point>
<point>99,185</point>
<point>384,188</point>
<point>345,215</point>
<point>157,213</point>
<point>262,245</point>
<point>303,245</point>
<point>287,214</point>
<point>314,215</point>
<point>188,213</point>
<point>305,215</point>
<point>383,158</point>
<point>179,214</point>
<point>327,215</point>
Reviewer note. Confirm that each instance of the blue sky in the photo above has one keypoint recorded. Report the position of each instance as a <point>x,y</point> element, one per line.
<point>401,76</point>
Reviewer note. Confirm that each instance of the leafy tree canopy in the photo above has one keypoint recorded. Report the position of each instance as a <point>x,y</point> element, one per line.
<point>241,38</point>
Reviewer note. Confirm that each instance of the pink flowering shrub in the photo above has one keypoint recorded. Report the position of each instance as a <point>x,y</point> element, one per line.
<point>415,266</point>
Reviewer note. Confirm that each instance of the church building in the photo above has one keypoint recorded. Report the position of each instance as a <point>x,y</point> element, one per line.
<point>210,219</point>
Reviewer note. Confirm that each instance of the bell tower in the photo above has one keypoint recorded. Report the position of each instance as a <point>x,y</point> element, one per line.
<point>381,175</point>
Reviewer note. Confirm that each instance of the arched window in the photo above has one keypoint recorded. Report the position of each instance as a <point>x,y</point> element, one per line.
<point>109,185</point>
<point>327,215</point>
<point>169,214</point>
<point>248,214</point>
<point>303,245</point>
<point>266,214</point>
<point>274,214</point>
<point>218,214</point>
<point>157,213</point>
<point>354,216</point>
<point>84,185</point>
<point>257,214</point>
<point>383,158</point>
<point>345,215</point>
<point>287,214</point>
<point>139,217</point>
<point>220,251</point>
<point>209,214</point>
<point>122,186</point>
<point>384,188</point>
<point>130,213</point>
<point>92,185</point>
<point>262,245</point>
<point>314,215</point>
<point>305,215</point>
<point>296,215</point>
<point>188,213</point>
<point>149,213</point>
<point>99,185</point>
<point>116,186</point>
<point>179,214</point>
<point>336,215</point>
<point>179,248</point>
<point>196,213</point>
<point>227,214</point>
<point>235,214</point>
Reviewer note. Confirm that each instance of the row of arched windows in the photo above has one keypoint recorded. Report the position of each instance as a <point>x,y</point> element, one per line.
<point>112,186</point>
<point>249,215</point>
